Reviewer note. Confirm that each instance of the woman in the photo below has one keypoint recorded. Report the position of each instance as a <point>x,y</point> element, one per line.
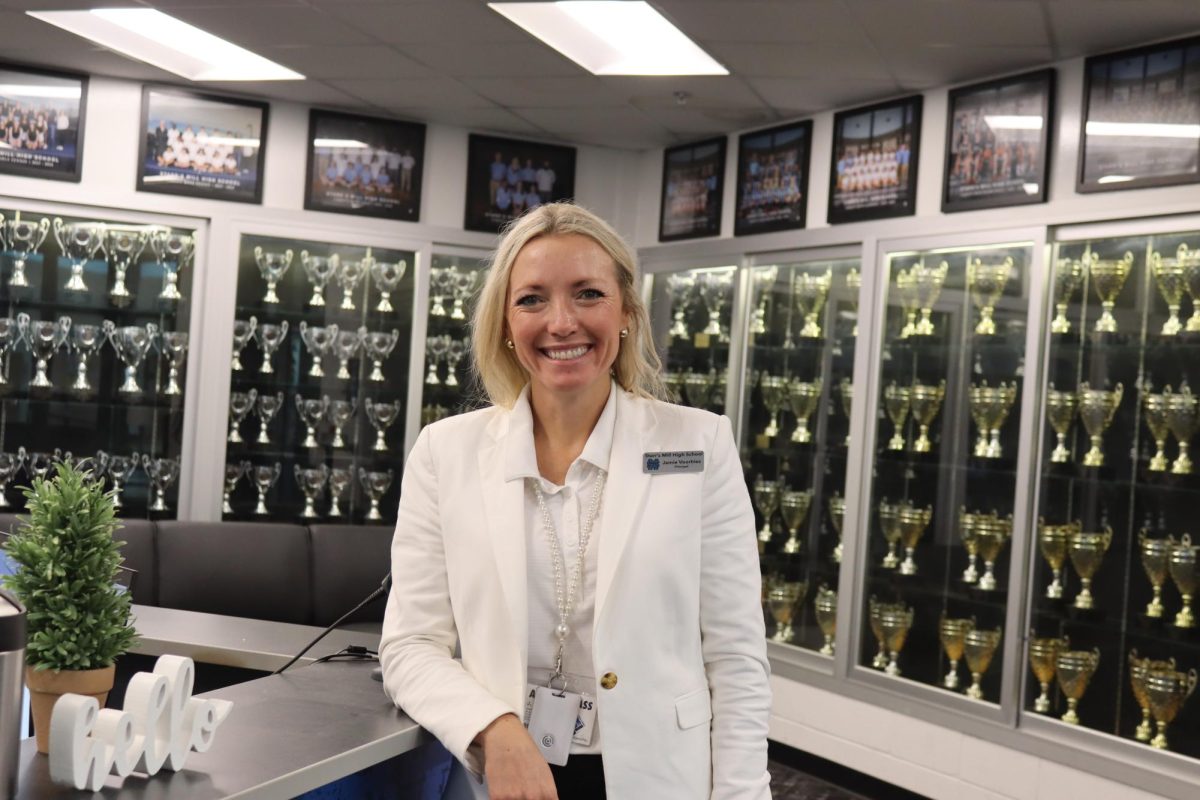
<point>589,547</point>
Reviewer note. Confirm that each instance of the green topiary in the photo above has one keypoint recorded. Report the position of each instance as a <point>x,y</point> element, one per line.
<point>66,563</point>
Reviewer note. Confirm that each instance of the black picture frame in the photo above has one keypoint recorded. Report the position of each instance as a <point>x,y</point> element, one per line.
<point>375,172</point>
<point>491,205</point>
<point>995,156</point>
<point>880,186</point>
<point>693,188</point>
<point>773,196</point>
<point>240,144</point>
<point>1141,86</point>
<point>64,95</point>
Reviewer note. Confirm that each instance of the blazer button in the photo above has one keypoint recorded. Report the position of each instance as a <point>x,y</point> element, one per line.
<point>608,680</point>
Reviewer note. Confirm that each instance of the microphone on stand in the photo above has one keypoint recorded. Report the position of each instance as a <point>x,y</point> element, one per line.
<point>384,587</point>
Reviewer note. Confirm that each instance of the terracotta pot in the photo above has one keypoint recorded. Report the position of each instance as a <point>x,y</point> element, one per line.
<point>47,685</point>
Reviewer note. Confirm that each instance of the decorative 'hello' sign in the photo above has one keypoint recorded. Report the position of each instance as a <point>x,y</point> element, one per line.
<point>161,725</point>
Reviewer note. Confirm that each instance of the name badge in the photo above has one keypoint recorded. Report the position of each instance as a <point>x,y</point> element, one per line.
<point>678,461</point>
<point>553,720</point>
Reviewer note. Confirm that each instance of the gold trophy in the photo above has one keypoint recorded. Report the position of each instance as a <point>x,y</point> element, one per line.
<point>825,605</point>
<point>979,647</point>
<point>1108,278</point>
<point>810,292</point>
<point>1068,274</point>
<point>880,660</point>
<point>1156,555</point>
<point>895,621</point>
<point>1155,406</point>
<point>925,401</point>
<point>846,390</point>
<point>952,632</point>
<point>1182,566</point>
<point>912,522</point>
<point>1190,260</point>
<point>987,282</point>
<point>1060,410</point>
<point>927,282</point>
<point>1052,541</point>
<point>889,524</point>
<point>1166,691</point>
<point>1168,274</point>
<point>991,534</point>
<point>837,514</point>
<point>774,390</point>
<point>794,508</point>
<point>966,532</point>
<point>896,402</point>
<point>1139,668</point>
<point>906,287</point>
<point>1074,669</point>
<point>1087,550</point>
<point>766,497</point>
<point>1043,653</point>
<point>803,397</point>
<point>853,284</point>
<point>990,407</point>
<point>1181,419</point>
<point>1096,409</point>
<point>784,600</point>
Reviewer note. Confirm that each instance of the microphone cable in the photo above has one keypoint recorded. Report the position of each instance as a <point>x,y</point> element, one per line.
<point>384,587</point>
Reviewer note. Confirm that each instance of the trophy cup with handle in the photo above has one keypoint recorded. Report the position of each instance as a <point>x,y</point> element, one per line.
<point>715,288</point>
<point>896,401</point>
<point>1185,574</point>
<point>339,479</point>
<point>881,659</point>
<point>441,283</point>
<point>376,485</point>
<point>120,470</point>
<point>240,404</point>
<point>1068,275</point>
<point>1181,419</point>
<point>906,289</point>
<point>340,412</point>
<point>379,345</point>
<point>793,506</point>
<point>991,534</point>
<point>811,291</point>
<point>1043,659</point>
<point>979,647</point>
<point>162,472</point>
<point>318,341</point>
<point>951,633</point>
<point>173,251</point>
<point>386,275</point>
<point>803,397</point>
<point>318,270</point>
<point>9,464</point>
<point>1139,670</point>
<point>268,406</point>
<point>784,599</point>
<point>1155,408</point>
<point>966,532</point>
<point>124,248</point>
<point>233,474</point>
<point>269,338</point>
<point>1096,410</point>
<point>927,283</point>
<point>44,338</point>
<point>837,514</point>
<point>774,389</point>
<point>24,239</point>
<point>454,355</point>
<point>1086,550</point>
<point>987,281</point>
<point>1156,558</point>
<point>345,346</point>
<point>10,337</point>
<point>311,413</point>
<point>890,526</point>
<point>435,349</point>
<point>381,416</point>
<point>1190,261</point>
<point>312,484</point>
<point>464,287</point>
<point>1052,543</point>
<point>764,281</point>
<point>272,265</point>
<point>131,343</point>
<point>1108,278</point>
<point>825,606</point>
<point>173,345</point>
<point>243,332</point>
<point>1166,691</point>
<point>1169,275</point>
<point>912,522</point>
<point>895,620</point>
<point>1074,670</point>
<point>680,287</point>
<point>1060,410</point>
<point>264,477</point>
<point>925,402</point>
<point>85,340</point>
<point>348,277</point>
<point>853,284</point>
<point>846,392</point>
<point>79,242</point>
<point>766,498</point>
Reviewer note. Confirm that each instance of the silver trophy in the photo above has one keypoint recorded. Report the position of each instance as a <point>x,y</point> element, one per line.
<point>120,470</point>
<point>435,349</point>
<point>272,266</point>
<point>764,282</point>
<point>44,338</point>
<point>268,406</point>
<point>454,354</point>
<point>85,340</point>
<point>379,345</point>
<point>381,416</point>
<point>345,345</point>
<point>124,248</point>
<point>339,479</point>
<point>24,238</point>
<point>679,287</point>
<point>9,464</point>
<point>319,342</point>
<point>312,484</point>
<point>10,337</point>
<point>38,464</point>
<point>387,276</point>
<point>264,478</point>
<point>464,287</point>
<point>162,473</point>
<point>240,404</point>
<point>173,345</point>
<point>233,474</point>
<point>441,283</point>
<point>319,270</point>
<point>348,277</point>
<point>80,242</point>
<point>341,412</point>
<point>269,337</point>
<point>131,343</point>
<point>173,251</point>
<point>312,412</point>
<point>243,331</point>
<point>375,484</point>
<point>715,288</point>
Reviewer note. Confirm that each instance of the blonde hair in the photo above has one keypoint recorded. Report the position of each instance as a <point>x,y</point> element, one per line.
<point>637,368</point>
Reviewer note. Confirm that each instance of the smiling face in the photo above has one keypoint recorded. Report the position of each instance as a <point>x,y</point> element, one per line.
<point>565,315</point>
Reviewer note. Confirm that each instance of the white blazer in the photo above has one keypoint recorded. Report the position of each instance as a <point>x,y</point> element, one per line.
<point>677,616</point>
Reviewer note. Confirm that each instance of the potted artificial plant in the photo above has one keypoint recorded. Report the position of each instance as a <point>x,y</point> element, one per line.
<point>66,562</point>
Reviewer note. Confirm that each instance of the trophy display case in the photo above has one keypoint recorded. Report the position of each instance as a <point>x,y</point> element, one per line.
<point>318,381</point>
<point>1113,643</point>
<point>449,383</point>
<point>802,324</point>
<point>93,347</point>
<point>939,521</point>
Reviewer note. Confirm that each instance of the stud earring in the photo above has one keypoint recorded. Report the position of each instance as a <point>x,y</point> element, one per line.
<point>509,344</point>
<point>624,333</point>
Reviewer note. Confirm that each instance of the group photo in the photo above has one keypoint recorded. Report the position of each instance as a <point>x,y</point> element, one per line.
<point>40,124</point>
<point>772,179</point>
<point>693,179</point>
<point>506,178</point>
<point>874,165</point>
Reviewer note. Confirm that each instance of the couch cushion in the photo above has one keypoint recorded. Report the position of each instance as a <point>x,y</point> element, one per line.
<point>245,569</point>
<point>349,562</point>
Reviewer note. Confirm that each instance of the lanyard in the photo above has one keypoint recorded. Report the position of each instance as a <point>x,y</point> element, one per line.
<point>566,601</point>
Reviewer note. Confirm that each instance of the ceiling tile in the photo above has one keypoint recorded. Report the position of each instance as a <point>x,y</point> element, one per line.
<point>419,93</point>
<point>307,92</point>
<point>610,127</point>
<point>1088,27</point>
<point>808,61</point>
<point>23,32</point>
<point>702,92</point>
<point>507,60</point>
<point>796,97</point>
<point>63,5</point>
<point>253,25</point>
<point>458,21</point>
<point>921,67</point>
<point>92,61</point>
<point>580,91</point>
<point>968,23</point>
<point>497,120</point>
<point>699,123</point>
<point>346,61</point>
<point>826,21</point>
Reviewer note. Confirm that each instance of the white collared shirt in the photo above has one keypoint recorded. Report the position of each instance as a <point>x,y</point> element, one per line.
<point>568,505</point>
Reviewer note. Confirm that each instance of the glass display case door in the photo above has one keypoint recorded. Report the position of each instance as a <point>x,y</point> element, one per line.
<point>448,385</point>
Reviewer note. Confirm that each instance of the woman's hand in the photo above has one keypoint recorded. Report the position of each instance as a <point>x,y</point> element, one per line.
<point>514,768</point>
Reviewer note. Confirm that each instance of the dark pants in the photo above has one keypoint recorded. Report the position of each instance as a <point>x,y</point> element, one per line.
<point>581,779</point>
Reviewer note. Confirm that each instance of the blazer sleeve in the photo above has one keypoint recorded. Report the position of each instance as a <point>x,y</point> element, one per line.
<point>416,650</point>
<point>733,638</point>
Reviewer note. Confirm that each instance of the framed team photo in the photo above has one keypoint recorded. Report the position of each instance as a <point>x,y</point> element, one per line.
<point>874,169</point>
<point>364,166</point>
<point>507,177</point>
<point>41,123</point>
<point>692,188</point>
<point>1141,109</point>
<point>997,143</point>
<point>772,179</point>
<point>200,145</point>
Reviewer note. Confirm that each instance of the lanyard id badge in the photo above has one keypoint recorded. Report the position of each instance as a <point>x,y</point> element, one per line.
<point>552,722</point>
<point>585,723</point>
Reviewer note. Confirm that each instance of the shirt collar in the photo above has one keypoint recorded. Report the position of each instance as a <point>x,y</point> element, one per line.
<point>521,457</point>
